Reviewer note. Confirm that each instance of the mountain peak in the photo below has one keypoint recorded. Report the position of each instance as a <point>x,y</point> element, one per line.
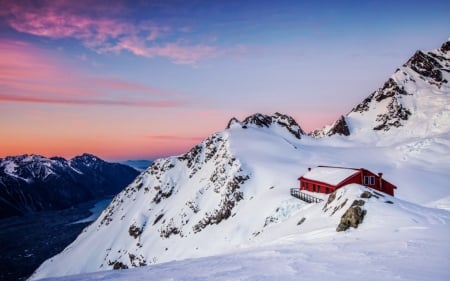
<point>412,102</point>
<point>446,46</point>
<point>259,120</point>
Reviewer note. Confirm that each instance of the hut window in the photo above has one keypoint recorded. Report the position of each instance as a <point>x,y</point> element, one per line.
<point>369,180</point>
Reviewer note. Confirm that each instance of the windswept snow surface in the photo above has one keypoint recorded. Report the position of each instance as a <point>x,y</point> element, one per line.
<point>397,241</point>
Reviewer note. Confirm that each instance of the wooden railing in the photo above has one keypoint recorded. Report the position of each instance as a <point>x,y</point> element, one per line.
<point>305,197</point>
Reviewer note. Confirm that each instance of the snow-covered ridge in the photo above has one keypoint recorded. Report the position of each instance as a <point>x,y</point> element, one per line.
<point>415,99</point>
<point>277,121</point>
<point>194,204</point>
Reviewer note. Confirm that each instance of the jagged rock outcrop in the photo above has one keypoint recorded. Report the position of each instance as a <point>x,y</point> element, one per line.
<point>265,121</point>
<point>339,127</point>
<point>353,216</point>
<point>31,183</point>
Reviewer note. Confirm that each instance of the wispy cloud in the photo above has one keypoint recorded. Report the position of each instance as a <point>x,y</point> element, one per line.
<point>29,75</point>
<point>175,138</point>
<point>102,30</point>
<point>94,101</point>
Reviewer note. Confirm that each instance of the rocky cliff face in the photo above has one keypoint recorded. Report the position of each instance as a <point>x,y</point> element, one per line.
<point>423,77</point>
<point>31,183</point>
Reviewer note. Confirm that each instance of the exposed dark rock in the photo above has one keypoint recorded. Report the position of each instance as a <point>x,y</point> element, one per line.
<point>266,121</point>
<point>366,194</point>
<point>259,120</point>
<point>364,105</point>
<point>158,218</point>
<point>445,47</point>
<point>137,261</point>
<point>232,121</point>
<point>163,194</point>
<point>289,123</point>
<point>302,220</point>
<point>358,203</point>
<point>396,113</point>
<point>168,230</point>
<point>353,217</point>
<point>134,231</point>
<point>118,265</point>
<point>193,206</point>
<point>425,65</point>
<point>340,127</point>
<point>230,197</point>
<point>389,89</point>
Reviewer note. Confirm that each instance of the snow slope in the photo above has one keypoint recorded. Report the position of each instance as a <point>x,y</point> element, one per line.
<point>228,197</point>
<point>390,245</point>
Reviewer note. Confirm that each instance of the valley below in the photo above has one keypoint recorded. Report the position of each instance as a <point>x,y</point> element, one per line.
<point>27,241</point>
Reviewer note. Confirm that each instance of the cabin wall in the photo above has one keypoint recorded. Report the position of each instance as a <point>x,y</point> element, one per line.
<point>376,183</point>
<point>315,186</point>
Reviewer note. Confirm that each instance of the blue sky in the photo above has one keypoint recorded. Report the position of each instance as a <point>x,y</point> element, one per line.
<point>152,78</point>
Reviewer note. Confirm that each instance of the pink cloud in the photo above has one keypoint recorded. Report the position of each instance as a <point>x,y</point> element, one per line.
<point>69,19</point>
<point>28,74</point>
<point>80,101</point>
<point>175,138</point>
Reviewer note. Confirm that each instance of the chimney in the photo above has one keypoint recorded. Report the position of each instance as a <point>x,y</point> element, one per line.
<point>381,180</point>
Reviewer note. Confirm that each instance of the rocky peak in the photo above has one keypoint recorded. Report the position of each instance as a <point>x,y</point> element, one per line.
<point>445,47</point>
<point>339,127</point>
<point>393,104</point>
<point>265,121</point>
<point>86,159</point>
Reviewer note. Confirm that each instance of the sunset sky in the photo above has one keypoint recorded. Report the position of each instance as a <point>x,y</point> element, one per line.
<point>145,79</point>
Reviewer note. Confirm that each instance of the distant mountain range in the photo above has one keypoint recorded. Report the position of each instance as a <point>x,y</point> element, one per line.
<point>31,183</point>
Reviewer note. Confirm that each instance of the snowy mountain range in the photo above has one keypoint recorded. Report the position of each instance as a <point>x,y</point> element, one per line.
<point>33,183</point>
<point>229,195</point>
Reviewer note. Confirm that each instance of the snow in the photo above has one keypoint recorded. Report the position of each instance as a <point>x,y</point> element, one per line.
<point>10,167</point>
<point>330,175</point>
<point>380,249</point>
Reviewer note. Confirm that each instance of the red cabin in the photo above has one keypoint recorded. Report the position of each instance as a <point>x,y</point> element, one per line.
<point>326,179</point>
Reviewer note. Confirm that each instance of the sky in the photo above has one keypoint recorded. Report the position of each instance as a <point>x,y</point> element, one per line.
<point>148,79</point>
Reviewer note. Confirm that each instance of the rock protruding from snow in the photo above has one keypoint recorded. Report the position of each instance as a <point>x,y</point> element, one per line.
<point>265,121</point>
<point>339,127</point>
<point>415,91</point>
<point>353,217</point>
